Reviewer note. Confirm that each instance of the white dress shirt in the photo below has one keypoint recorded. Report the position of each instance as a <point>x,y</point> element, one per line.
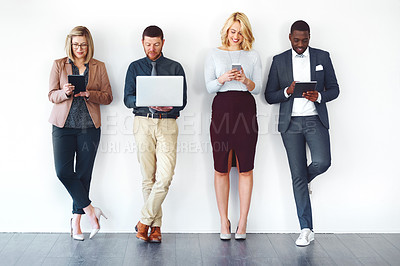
<point>302,72</point>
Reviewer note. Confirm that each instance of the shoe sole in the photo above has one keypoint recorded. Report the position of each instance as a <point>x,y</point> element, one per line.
<point>240,236</point>
<point>145,240</point>
<point>140,238</point>
<point>225,236</point>
<point>305,245</point>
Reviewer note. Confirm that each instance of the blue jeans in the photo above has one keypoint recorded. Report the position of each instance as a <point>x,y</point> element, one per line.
<point>302,130</point>
<point>74,154</point>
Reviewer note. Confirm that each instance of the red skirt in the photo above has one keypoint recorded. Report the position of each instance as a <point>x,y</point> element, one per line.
<point>234,127</point>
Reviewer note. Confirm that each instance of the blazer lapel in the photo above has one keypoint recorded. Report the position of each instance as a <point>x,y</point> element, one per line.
<point>68,67</point>
<point>92,71</point>
<point>290,79</point>
<point>289,68</point>
<point>313,63</point>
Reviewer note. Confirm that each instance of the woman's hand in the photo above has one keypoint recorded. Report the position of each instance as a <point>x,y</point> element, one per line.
<point>83,94</point>
<point>228,76</point>
<point>241,77</point>
<point>68,89</point>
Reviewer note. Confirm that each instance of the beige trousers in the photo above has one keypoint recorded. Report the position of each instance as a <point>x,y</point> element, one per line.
<point>156,143</point>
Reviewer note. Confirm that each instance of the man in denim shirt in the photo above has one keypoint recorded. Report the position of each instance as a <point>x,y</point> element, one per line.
<point>155,131</point>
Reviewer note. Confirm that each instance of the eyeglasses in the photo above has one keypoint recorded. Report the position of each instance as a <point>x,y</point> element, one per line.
<point>82,45</point>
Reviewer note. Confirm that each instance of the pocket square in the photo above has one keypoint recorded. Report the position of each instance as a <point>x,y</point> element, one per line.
<point>319,68</point>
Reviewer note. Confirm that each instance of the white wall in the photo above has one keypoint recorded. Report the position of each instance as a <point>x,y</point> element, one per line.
<point>359,193</point>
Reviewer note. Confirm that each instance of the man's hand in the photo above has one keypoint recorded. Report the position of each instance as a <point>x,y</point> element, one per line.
<point>290,90</point>
<point>162,108</point>
<point>311,95</point>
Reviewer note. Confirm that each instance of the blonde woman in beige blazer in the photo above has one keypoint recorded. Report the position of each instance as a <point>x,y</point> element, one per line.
<point>76,123</point>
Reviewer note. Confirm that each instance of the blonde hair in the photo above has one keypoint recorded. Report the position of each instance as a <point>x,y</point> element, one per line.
<point>79,31</point>
<point>245,29</point>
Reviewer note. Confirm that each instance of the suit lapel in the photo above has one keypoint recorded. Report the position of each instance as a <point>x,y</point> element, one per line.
<point>289,72</point>
<point>289,77</point>
<point>313,63</point>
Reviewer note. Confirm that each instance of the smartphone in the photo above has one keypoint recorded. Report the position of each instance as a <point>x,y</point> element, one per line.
<point>78,81</point>
<point>236,66</point>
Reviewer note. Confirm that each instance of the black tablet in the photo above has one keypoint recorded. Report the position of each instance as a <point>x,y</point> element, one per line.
<point>78,81</point>
<point>302,87</point>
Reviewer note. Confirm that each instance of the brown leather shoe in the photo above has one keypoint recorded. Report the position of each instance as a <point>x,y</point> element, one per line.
<point>155,235</point>
<point>142,231</point>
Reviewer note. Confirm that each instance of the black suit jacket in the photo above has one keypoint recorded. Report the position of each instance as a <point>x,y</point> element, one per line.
<point>281,76</point>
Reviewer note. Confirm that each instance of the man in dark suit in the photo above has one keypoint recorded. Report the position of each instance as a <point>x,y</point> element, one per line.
<point>303,120</point>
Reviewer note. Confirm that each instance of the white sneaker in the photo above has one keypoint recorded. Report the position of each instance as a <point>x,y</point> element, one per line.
<point>305,237</point>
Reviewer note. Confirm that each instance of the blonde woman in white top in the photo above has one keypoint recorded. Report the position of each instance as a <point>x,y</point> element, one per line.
<point>233,71</point>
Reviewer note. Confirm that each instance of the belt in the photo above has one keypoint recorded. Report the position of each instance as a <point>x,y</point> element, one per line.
<point>157,115</point>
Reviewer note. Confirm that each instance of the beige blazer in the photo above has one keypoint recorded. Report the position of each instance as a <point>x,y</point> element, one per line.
<point>98,85</point>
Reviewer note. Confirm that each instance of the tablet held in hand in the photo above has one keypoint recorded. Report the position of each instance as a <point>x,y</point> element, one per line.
<point>78,81</point>
<point>301,87</point>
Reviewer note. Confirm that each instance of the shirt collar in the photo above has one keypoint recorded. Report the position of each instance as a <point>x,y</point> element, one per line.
<point>306,53</point>
<point>158,60</point>
<point>71,62</point>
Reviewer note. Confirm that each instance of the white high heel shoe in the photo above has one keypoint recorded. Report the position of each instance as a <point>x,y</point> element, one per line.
<point>239,236</point>
<point>226,236</point>
<point>78,237</point>
<point>98,213</point>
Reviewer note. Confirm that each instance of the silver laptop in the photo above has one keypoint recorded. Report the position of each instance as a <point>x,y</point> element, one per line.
<point>159,91</point>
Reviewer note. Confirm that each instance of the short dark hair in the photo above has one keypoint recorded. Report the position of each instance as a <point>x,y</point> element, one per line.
<point>153,31</point>
<point>300,25</point>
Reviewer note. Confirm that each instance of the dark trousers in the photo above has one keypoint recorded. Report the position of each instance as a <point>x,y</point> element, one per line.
<point>306,130</point>
<point>74,155</point>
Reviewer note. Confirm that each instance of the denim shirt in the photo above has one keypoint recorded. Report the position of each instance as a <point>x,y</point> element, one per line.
<point>142,67</point>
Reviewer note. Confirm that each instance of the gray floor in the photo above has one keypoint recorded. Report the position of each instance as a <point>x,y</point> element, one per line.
<point>199,249</point>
